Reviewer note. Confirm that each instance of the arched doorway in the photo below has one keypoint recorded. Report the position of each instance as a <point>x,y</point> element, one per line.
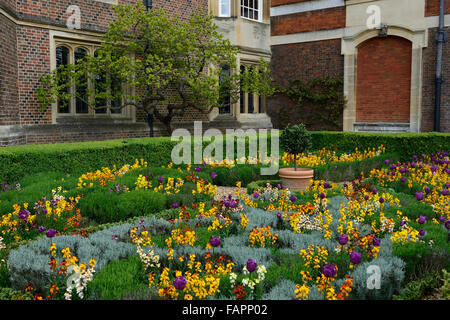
<point>383,80</point>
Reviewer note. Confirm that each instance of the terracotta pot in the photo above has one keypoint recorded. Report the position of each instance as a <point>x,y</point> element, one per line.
<point>296,180</point>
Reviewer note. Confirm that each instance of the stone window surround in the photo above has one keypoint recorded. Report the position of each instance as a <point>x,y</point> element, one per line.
<point>89,43</point>
<point>419,40</point>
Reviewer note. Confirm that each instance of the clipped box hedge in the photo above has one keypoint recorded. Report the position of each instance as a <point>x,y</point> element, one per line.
<point>404,144</point>
<point>19,161</point>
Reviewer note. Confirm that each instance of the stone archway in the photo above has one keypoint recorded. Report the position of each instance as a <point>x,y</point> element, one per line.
<point>383,80</point>
<point>417,40</point>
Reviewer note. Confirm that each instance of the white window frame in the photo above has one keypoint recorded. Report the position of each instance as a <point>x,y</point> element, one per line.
<point>223,3</point>
<point>259,10</point>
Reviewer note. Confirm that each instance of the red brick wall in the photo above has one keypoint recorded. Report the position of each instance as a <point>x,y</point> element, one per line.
<point>304,61</point>
<point>383,80</point>
<point>325,19</point>
<point>428,85</point>
<point>432,7</point>
<point>9,112</point>
<point>33,51</point>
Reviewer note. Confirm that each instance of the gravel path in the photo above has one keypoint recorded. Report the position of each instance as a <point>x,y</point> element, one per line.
<point>225,191</point>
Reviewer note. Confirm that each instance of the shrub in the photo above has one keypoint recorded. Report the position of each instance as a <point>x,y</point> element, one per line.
<point>417,289</point>
<point>404,144</point>
<point>117,279</point>
<point>295,140</point>
<point>103,207</point>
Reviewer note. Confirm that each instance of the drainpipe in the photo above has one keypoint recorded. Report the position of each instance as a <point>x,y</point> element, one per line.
<point>149,117</point>
<point>441,38</point>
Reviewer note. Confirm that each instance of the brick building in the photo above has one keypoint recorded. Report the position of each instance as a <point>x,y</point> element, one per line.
<point>388,73</point>
<point>34,39</point>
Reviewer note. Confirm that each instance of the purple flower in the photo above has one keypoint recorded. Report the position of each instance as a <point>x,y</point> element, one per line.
<point>293,198</point>
<point>343,239</point>
<point>251,265</point>
<point>23,214</point>
<point>422,219</point>
<point>386,162</point>
<point>115,237</point>
<point>355,257</point>
<point>442,219</point>
<point>403,179</point>
<point>447,224</point>
<point>213,175</point>
<point>322,195</point>
<point>329,271</point>
<point>50,233</point>
<point>374,191</point>
<point>381,200</point>
<point>180,283</point>
<point>419,196</point>
<point>421,232</point>
<point>326,185</point>
<point>279,215</point>
<point>403,222</point>
<point>366,197</point>
<point>214,241</point>
<point>198,169</point>
<point>175,205</point>
<point>255,195</point>
<point>445,192</point>
<point>427,190</point>
<point>41,229</point>
<point>279,186</point>
<point>160,179</point>
<point>376,242</point>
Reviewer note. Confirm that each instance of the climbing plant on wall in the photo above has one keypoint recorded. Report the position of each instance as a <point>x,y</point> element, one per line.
<point>319,103</point>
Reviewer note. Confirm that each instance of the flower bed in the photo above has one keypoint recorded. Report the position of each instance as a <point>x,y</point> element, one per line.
<point>269,244</point>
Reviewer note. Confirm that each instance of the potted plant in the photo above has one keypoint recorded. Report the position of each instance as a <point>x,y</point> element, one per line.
<point>295,140</point>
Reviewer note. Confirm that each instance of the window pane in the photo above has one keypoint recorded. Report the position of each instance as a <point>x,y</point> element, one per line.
<point>242,94</point>
<point>251,105</point>
<point>62,58</point>
<point>225,97</point>
<point>100,87</point>
<point>224,8</point>
<point>81,94</point>
<point>115,86</point>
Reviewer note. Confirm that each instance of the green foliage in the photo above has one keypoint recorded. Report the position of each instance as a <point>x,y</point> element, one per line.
<point>417,289</point>
<point>117,279</point>
<point>319,102</point>
<point>170,62</point>
<point>103,207</point>
<point>445,294</point>
<point>295,140</point>
<point>11,294</point>
<point>405,145</point>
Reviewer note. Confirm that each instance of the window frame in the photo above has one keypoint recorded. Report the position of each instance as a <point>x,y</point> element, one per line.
<point>259,10</point>
<point>259,102</point>
<point>228,4</point>
<point>90,49</point>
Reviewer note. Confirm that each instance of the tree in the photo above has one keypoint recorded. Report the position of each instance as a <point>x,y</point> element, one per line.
<point>172,64</point>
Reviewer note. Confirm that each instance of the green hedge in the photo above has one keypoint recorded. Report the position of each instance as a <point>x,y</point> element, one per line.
<point>19,161</point>
<point>404,144</point>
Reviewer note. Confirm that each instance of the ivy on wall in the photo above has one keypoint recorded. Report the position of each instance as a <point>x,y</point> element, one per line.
<point>319,103</point>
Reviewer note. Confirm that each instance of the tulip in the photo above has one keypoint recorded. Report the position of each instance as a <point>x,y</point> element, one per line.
<point>293,198</point>
<point>180,283</point>
<point>329,271</point>
<point>419,196</point>
<point>422,219</point>
<point>355,257</point>
<point>251,265</point>
<point>50,233</point>
<point>214,241</point>
<point>343,239</point>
